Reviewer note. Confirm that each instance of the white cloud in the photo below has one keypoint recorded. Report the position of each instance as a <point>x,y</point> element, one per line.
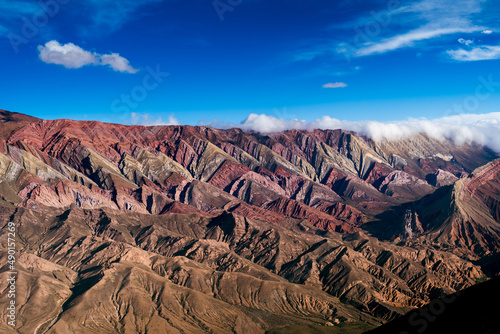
<point>145,119</point>
<point>69,55</point>
<point>412,24</point>
<point>335,85</point>
<point>483,129</point>
<point>487,32</point>
<point>485,52</point>
<point>117,63</point>
<point>408,39</point>
<point>465,41</point>
<point>268,124</point>
<point>72,56</point>
<point>416,21</point>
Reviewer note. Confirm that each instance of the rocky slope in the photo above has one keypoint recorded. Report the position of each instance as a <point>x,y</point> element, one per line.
<point>462,218</point>
<point>173,271</point>
<point>165,224</point>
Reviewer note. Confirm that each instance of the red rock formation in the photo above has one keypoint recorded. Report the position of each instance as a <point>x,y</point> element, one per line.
<point>402,184</point>
<point>259,228</point>
<point>377,173</point>
<point>464,217</point>
<point>343,211</point>
<point>327,177</point>
<point>317,218</point>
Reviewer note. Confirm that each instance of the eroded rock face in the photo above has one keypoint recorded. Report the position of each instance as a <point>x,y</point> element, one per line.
<point>462,217</point>
<point>402,184</point>
<point>179,228</point>
<point>305,166</point>
<point>442,178</point>
<point>475,223</point>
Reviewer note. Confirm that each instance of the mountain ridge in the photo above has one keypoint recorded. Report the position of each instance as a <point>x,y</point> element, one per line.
<point>299,210</point>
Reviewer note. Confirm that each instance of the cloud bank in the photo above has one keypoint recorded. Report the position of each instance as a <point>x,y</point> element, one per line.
<point>145,119</point>
<point>483,129</point>
<point>72,56</point>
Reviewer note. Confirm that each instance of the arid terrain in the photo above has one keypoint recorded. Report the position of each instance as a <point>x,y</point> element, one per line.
<point>181,229</point>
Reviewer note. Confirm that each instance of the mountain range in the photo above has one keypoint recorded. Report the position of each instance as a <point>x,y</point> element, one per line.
<point>182,229</point>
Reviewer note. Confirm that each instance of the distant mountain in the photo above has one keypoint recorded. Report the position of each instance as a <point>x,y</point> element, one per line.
<point>180,228</point>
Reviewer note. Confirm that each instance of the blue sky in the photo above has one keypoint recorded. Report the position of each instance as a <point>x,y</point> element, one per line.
<point>217,62</point>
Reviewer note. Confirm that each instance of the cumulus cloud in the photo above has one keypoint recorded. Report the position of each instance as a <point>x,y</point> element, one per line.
<point>269,124</point>
<point>335,85</point>
<point>487,32</point>
<point>483,129</point>
<point>117,63</point>
<point>145,119</point>
<point>484,52</point>
<point>69,55</point>
<point>72,56</point>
